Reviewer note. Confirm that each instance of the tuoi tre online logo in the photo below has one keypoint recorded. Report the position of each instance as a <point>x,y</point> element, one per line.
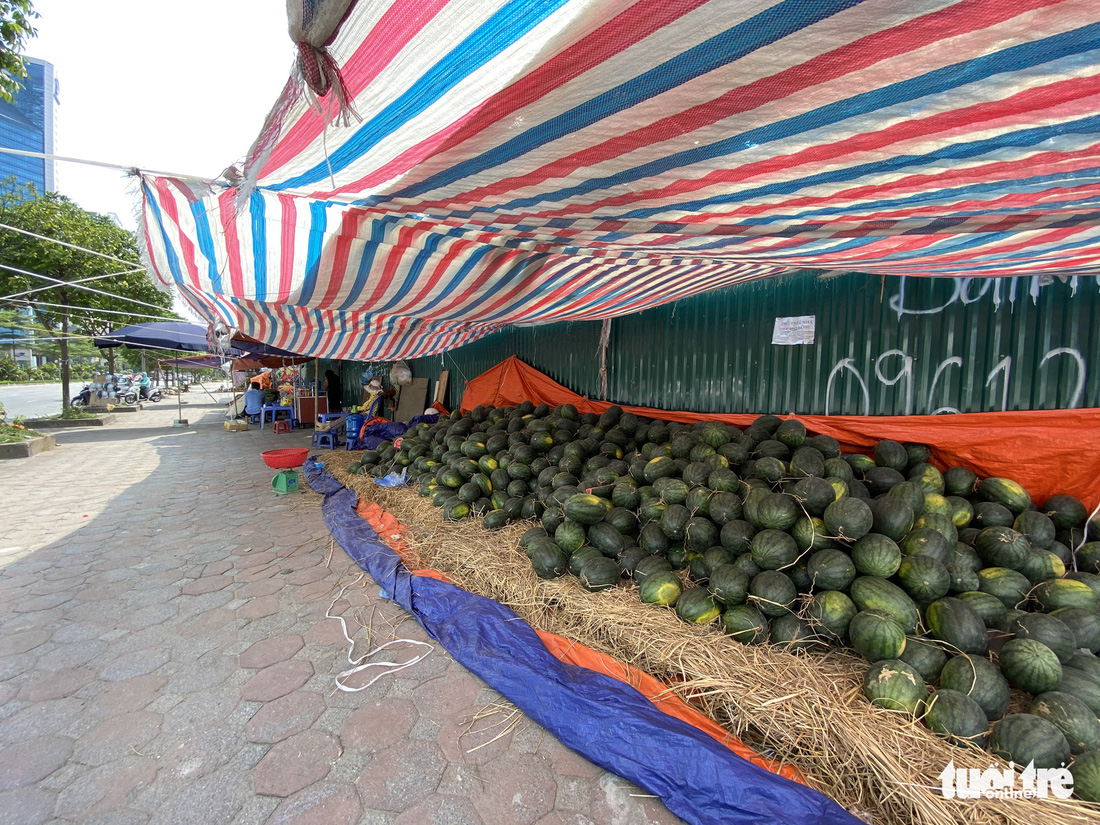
<point>995,783</point>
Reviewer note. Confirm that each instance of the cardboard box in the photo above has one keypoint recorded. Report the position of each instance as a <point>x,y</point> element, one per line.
<point>236,426</point>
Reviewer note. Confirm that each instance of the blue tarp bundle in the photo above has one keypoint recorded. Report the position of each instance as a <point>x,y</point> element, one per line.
<point>605,720</point>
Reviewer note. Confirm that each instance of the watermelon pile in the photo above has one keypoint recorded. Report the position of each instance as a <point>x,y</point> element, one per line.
<point>937,578</point>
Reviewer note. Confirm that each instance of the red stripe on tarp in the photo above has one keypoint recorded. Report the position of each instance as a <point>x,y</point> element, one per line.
<point>910,36</point>
<point>227,215</point>
<point>1016,109</point>
<point>392,33</point>
<point>620,33</point>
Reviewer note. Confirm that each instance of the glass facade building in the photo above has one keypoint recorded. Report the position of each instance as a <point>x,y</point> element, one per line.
<point>27,123</point>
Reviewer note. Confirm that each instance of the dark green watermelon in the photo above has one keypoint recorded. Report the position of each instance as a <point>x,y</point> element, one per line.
<point>956,716</point>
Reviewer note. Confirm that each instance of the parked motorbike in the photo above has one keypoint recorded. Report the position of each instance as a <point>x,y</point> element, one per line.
<point>82,398</point>
<point>135,394</point>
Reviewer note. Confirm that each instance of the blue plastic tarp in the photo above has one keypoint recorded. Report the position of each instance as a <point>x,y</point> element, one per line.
<point>605,720</point>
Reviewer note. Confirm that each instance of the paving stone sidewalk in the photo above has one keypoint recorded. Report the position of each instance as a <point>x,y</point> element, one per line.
<point>165,658</point>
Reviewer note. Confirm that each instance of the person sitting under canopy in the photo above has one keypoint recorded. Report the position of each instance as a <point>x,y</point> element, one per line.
<point>253,399</point>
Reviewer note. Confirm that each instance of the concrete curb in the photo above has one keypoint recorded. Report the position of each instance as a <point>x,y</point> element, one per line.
<point>27,448</point>
<point>46,423</point>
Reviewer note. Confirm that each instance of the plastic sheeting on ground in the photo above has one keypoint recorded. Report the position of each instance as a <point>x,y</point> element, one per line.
<point>1047,451</point>
<point>607,721</point>
<point>392,533</point>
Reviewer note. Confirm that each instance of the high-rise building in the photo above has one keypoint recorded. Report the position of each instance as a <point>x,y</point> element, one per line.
<point>27,123</point>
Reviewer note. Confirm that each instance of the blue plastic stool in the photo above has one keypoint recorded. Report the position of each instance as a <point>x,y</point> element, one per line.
<point>253,419</point>
<point>328,439</point>
<point>352,425</point>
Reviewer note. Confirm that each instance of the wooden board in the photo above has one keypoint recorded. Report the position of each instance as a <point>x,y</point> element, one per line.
<point>441,387</point>
<point>413,400</point>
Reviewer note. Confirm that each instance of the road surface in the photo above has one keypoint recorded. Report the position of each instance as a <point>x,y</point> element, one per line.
<point>34,400</point>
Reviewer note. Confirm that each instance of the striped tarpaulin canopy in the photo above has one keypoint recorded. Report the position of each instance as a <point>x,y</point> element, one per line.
<point>534,161</point>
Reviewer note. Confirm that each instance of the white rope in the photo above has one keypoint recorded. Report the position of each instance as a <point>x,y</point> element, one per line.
<point>95,317</point>
<point>66,243</point>
<point>130,170</point>
<point>1084,535</point>
<point>131,271</point>
<point>76,285</point>
<point>357,664</point>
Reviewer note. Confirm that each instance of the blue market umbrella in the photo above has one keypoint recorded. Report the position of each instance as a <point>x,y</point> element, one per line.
<point>177,335</point>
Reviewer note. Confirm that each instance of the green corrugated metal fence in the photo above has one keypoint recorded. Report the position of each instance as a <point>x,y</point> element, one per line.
<point>883,346</point>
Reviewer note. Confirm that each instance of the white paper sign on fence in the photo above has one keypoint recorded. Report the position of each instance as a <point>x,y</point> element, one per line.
<point>794,329</point>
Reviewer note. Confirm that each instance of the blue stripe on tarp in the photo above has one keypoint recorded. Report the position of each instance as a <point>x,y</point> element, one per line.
<point>608,722</point>
<point>206,245</point>
<point>169,250</point>
<point>258,211</point>
<point>763,29</point>
<point>1012,59</point>
<point>318,225</point>
<point>498,33</point>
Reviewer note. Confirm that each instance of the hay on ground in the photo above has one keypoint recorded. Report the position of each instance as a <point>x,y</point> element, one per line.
<point>807,710</point>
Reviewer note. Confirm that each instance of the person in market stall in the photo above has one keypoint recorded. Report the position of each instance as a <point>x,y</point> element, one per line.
<point>334,391</point>
<point>254,399</point>
<point>375,396</point>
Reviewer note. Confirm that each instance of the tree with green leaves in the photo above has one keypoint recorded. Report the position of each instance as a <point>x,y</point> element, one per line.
<point>15,31</point>
<point>20,330</point>
<point>78,271</point>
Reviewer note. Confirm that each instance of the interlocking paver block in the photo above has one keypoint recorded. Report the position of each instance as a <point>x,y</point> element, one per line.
<point>136,663</point>
<point>105,788</point>
<point>517,792</point>
<point>55,684</point>
<point>130,694</point>
<point>197,753</point>
<point>212,800</point>
<point>296,763</point>
<point>26,806</point>
<point>285,716</point>
<point>117,736</point>
<point>615,800</point>
<point>40,719</point>
<point>277,680</point>
<point>22,642</point>
<point>207,584</point>
<point>440,810</point>
<point>379,725</point>
<point>325,803</point>
<point>402,774</point>
<point>32,760</point>
<point>202,709</point>
<point>269,651</point>
<point>199,669</point>
<point>447,695</point>
<point>260,607</point>
<point>263,587</point>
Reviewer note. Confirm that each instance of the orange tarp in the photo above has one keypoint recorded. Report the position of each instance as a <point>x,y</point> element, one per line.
<point>391,531</point>
<point>1047,451</point>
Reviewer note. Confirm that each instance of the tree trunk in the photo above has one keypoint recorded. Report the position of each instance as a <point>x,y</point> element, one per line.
<point>111,362</point>
<point>65,372</point>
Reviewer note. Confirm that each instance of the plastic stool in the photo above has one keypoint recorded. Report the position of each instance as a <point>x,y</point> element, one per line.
<point>253,419</point>
<point>282,426</point>
<point>328,439</point>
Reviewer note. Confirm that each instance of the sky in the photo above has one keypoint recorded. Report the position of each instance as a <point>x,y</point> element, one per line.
<point>170,87</point>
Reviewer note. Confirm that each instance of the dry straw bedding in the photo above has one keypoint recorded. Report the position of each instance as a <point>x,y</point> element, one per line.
<point>804,709</point>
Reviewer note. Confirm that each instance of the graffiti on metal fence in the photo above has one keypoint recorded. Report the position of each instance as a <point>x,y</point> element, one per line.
<point>890,373</point>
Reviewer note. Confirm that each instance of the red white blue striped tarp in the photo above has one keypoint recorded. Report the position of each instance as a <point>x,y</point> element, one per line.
<point>534,161</point>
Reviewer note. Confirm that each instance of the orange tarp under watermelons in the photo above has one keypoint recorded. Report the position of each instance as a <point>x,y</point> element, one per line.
<point>1047,451</point>
<point>391,531</point>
